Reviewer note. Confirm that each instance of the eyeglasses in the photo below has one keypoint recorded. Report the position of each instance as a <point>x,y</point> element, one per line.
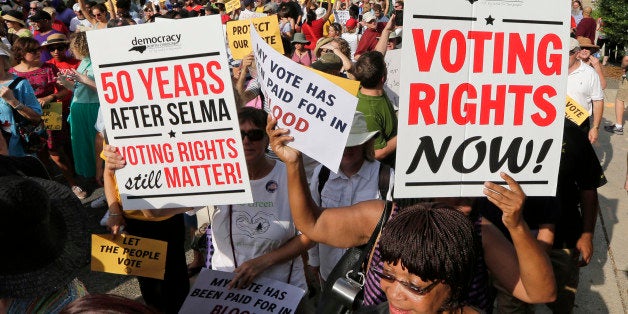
<point>254,135</point>
<point>412,288</point>
<point>56,47</point>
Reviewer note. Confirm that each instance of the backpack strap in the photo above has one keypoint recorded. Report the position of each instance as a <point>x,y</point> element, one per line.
<point>384,180</point>
<point>323,175</point>
<point>16,81</point>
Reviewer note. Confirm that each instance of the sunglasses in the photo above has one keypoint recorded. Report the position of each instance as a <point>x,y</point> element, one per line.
<point>573,51</point>
<point>254,135</point>
<point>57,47</point>
<point>148,10</point>
<point>33,50</point>
<point>99,14</point>
<point>412,288</point>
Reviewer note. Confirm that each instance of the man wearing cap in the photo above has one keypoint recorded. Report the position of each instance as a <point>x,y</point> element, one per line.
<point>583,86</point>
<point>79,22</point>
<point>369,37</point>
<point>56,24</point>
<point>43,28</point>
<point>357,181</point>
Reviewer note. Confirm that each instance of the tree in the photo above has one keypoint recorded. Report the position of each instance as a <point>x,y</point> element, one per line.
<point>614,13</point>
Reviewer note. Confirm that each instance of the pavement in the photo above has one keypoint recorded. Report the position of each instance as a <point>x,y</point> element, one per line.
<point>603,283</point>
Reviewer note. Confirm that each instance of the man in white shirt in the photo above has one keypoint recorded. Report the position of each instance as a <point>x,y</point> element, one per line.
<point>583,85</point>
<point>79,22</point>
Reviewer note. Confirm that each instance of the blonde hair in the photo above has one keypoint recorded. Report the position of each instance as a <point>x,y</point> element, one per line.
<point>78,45</point>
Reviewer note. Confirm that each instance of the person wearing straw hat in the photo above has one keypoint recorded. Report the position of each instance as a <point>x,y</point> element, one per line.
<point>46,243</point>
<point>583,85</point>
<point>586,54</point>
<point>357,181</point>
<point>302,55</point>
<point>14,21</point>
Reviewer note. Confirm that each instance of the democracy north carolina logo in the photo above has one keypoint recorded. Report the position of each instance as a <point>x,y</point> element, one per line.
<point>155,43</point>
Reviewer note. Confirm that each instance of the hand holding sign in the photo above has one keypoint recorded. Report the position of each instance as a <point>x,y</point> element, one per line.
<point>510,201</point>
<point>248,271</point>
<point>278,139</point>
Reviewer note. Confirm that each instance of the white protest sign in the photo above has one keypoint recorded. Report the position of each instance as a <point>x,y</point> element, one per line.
<point>264,295</point>
<point>313,108</point>
<point>245,15</point>
<point>393,65</point>
<point>168,106</point>
<point>341,17</point>
<point>484,87</point>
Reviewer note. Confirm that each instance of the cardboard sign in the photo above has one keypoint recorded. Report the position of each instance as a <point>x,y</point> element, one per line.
<point>52,115</point>
<point>575,112</point>
<point>129,255</point>
<point>483,91</point>
<point>168,105</point>
<point>313,108</point>
<point>351,86</point>
<point>341,17</point>
<point>245,15</point>
<point>210,295</point>
<point>393,65</point>
<point>239,35</point>
<point>232,5</point>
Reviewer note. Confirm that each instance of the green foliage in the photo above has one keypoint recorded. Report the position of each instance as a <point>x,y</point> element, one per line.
<point>614,13</point>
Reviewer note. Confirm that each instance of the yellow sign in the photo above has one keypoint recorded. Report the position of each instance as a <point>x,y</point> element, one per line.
<point>350,86</point>
<point>575,112</point>
<point>53,112</point>
<point>232,5</point>
<point>239,35</point>
<point>129,255</point>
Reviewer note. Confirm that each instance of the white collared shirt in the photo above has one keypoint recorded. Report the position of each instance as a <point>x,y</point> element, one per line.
<point>339,191</point>
<point>583,85</point>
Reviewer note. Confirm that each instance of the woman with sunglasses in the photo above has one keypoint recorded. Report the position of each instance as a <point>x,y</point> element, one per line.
<point>259,239</point>
<point>97,15</point>
<point>43,79</point>
<point>522,267</point>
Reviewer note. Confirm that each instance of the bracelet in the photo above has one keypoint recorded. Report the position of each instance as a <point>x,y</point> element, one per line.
<point>19,107</point>
<point>113,215</point>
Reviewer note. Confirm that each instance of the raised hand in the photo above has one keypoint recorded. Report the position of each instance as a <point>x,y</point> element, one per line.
<point>510,200</point>
<point>278,138</point>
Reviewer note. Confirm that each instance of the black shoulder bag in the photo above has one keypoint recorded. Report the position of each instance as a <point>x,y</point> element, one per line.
<point>33,135</point>
<point>343,290</point>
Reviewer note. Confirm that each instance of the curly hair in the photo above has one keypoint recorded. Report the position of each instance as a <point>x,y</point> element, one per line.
<point>22,46</point>
<point>343,45</point>
<point>434,242</point>
<point>78,45</point>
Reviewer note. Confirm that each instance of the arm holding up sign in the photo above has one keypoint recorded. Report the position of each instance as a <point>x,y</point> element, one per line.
<point>241,88</point>
<point>333,226</point>
<point>522,268</point>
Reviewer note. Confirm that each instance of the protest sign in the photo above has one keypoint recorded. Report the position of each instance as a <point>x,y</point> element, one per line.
<point>245,15</point>
<point>484,86</point>
<point>351,86</point>
<point>239,35</point>
<point>232,5</point>
<point>313,108</point>
<point>263,295</point>
<point>391,86</point>
<point>128,255</point>
<point>341,17</point>
<point>575,112</point>
<point>52,115</point>
<point>168,105</point>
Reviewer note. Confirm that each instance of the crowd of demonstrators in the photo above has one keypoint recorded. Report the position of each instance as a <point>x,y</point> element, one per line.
<point>530,254</point>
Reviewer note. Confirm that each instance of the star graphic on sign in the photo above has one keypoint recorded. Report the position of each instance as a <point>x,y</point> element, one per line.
<point>472,1</point>
<point>489,20</point>
<point>172,133</point>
